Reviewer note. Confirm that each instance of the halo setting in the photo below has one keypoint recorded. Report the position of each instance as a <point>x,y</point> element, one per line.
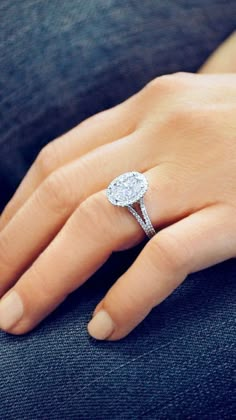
<point>127,189</point>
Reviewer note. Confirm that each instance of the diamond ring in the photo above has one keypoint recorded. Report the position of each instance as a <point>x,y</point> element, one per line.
<point>128,189</point>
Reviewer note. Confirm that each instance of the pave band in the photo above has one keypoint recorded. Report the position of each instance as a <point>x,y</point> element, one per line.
<point>146,224</point>
<point>128,189</point>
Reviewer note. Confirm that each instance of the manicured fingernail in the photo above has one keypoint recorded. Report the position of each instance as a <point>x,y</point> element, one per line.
<point>101,325</point>
<point>11,310</point>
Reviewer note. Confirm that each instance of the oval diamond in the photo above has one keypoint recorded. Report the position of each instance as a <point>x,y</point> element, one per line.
<point>127,189</point>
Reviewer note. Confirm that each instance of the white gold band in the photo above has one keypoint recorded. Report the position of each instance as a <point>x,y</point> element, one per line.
<point>146,224</point>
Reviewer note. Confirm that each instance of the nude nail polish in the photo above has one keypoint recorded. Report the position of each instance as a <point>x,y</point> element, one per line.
<point>101,325</point>
<point>11,310</point>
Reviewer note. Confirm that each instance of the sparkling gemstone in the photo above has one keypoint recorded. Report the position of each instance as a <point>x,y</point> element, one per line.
<point>127,189</point>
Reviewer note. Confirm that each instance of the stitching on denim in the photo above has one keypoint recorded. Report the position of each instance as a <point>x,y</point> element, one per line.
<point>127,363</point>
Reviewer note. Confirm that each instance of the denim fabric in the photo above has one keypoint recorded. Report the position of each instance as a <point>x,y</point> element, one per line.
<point>60,62</point>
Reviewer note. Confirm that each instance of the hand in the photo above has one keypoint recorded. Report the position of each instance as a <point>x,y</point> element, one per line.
<point>59,227</point>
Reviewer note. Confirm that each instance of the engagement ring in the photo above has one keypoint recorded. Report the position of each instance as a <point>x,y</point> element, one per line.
<point>129,189</point>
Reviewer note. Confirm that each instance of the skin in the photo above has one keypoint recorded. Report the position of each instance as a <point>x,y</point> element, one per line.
<point>223,60</point>
<point>59,228</point>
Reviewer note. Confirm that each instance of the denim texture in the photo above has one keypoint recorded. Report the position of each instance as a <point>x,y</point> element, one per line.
<point>60,62</point>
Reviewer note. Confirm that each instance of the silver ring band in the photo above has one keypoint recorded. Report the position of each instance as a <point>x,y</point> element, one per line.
<point>129,189</point>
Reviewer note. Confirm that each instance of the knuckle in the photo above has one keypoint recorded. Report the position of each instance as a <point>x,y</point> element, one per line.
<point>166,249</point>
<point>5,217</point>
<point>157,84</point>
<point>96,118</point>
<point>94,216</point>
<point>39,284</point>
<point>8,212</point>
<point>180,79</point>
<point>90,211</point>
<point>178,117</point>
<point>168,83</point>
<point>5,258</point>
<point>56,192</point>
<point>184,118</point>
<point>47,160</point>
<point>183,75</point>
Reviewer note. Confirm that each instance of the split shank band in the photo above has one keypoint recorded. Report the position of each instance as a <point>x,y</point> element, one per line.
<point>129,189</point>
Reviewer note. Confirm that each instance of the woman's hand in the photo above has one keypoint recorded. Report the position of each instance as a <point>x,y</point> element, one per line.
<point>59,228</point>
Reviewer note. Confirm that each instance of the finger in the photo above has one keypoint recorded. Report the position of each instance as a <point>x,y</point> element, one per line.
<point>101,128</point>
<point>45,212</point>
<point>223,58</point>
<point>200,240</point>
<point>90,235</point>
<point>80,248</point>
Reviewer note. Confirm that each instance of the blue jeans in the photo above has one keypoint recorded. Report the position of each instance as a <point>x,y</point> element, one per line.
<point>61,62</point>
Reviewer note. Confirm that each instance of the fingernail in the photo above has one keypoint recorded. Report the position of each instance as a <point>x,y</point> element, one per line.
<point>101,325</point>
<point>11,310</point>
